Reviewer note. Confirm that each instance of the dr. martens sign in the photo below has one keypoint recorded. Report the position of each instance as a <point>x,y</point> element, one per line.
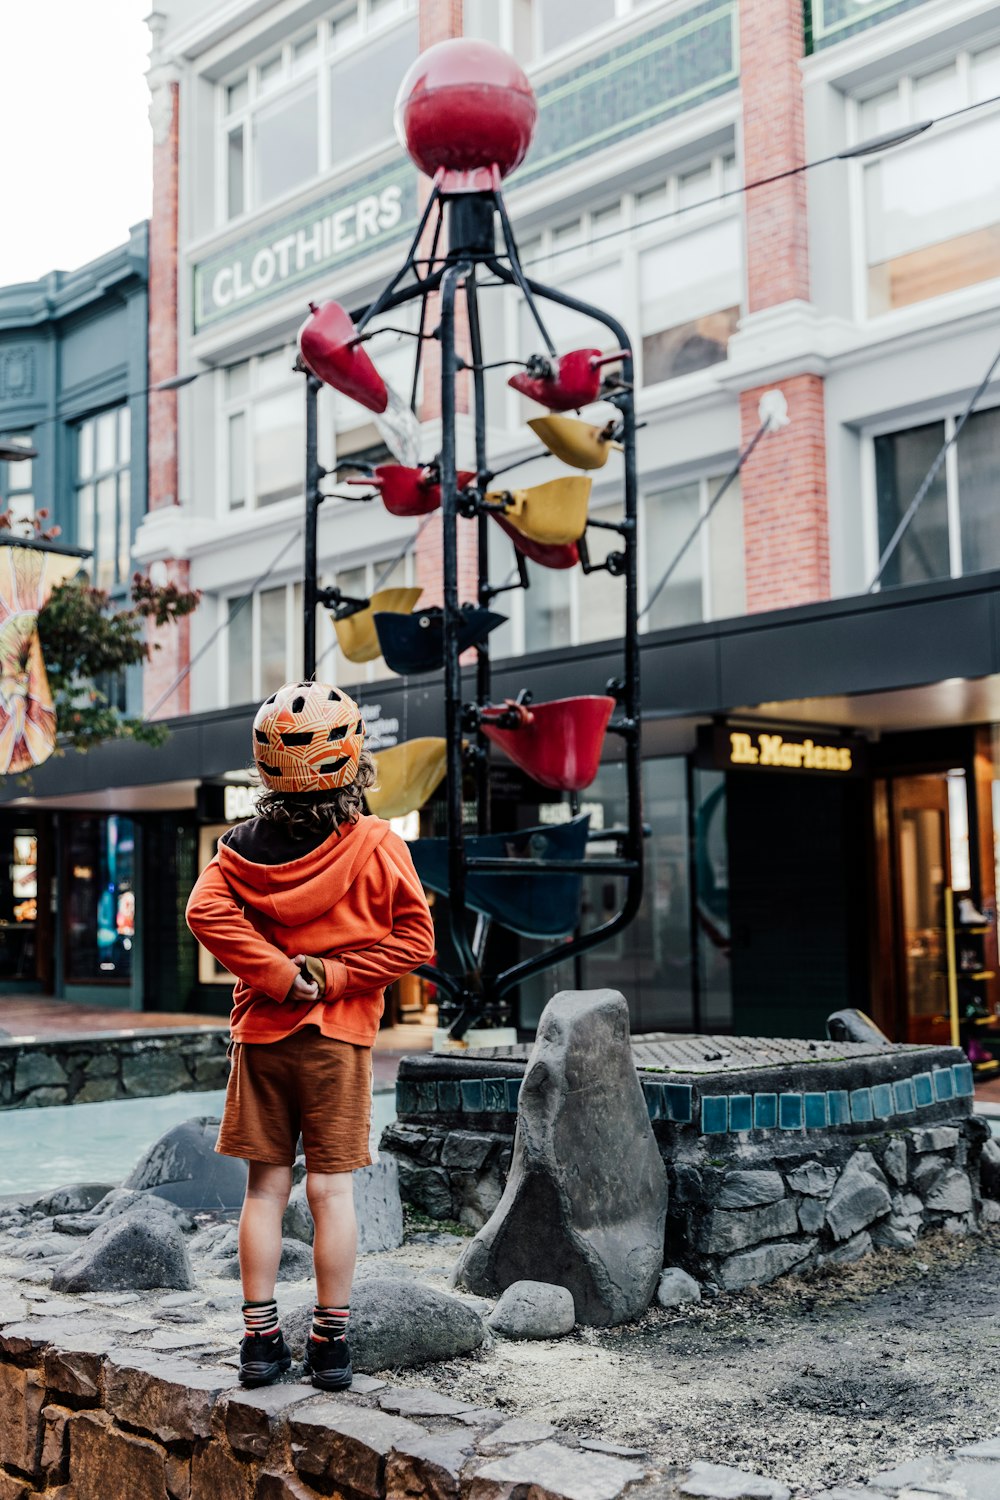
<point>741,747</point>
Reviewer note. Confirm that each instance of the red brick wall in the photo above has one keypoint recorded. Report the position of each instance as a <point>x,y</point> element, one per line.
<point>786,529</point>
<point>771,49</point>
<point>786,533</point>
<point>439,19</point>
<point>172,643</point>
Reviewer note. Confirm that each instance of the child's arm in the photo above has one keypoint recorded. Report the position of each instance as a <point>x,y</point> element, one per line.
<point>409,944</point>
<point>219,922</point>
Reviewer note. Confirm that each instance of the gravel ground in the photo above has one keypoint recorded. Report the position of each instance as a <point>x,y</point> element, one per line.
<point>819,1380</point>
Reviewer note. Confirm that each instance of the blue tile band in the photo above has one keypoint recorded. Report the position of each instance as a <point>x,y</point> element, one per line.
<point>513,1089</point>
<point>679,1102</point>
<point>495,1095</point>
<point>472,1095</point>
<point>964,1086</point>
<point>944,1084</point>
<point>882,1101</point>
<point>427,1098</point>
<point>406,1097</point>
<point>903,1095</point>
<point>790,1112</point>
<point>923,1090</point>
<point>765,1111</point>
<point>654,1100</point>
<point>817,1112</point>
<point>861,1105</point>
<point>715,1114</point>
<point>839,1101</point>
<point>449,1095</point>
<point>740,1112</point>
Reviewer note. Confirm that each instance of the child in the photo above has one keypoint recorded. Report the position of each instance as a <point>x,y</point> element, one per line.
<point>315,909</point>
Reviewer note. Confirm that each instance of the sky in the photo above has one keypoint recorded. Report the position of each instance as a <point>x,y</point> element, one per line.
<point>75,166</point>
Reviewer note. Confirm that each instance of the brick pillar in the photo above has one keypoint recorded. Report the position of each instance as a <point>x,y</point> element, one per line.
<point>171,644</point>
<point>439,20</point>
<point>784,482</point>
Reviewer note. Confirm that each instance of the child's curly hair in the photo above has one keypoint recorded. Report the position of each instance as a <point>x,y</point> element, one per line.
<point>304,814</point>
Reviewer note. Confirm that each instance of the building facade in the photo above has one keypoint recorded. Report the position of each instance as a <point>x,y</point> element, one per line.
<point>712,172</point>
<point>73,390</point>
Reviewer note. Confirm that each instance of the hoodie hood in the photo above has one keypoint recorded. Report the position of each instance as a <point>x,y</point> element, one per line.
<point>303,888</point>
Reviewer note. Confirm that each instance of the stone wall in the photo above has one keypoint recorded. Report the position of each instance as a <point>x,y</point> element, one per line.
<point>770,1169</point>
<point>81,1422</point>
<point>87,1070</point>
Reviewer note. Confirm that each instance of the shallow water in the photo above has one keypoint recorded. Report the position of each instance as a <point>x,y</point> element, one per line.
<point>47,1148</point>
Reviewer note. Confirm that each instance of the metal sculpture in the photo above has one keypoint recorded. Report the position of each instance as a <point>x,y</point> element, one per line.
<point>466,114</point>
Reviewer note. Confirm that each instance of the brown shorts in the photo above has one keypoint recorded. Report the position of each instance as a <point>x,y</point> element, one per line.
<point>307,1083</point>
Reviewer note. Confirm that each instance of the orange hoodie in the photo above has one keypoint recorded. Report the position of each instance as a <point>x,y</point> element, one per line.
<point>355,901</point>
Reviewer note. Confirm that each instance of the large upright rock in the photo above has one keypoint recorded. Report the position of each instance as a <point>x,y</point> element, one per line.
<point>132,1253</point>
<point>184,1167</point>
<point>586,1198</point>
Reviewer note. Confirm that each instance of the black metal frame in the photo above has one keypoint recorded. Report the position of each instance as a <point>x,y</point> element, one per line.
<point>471,222</point>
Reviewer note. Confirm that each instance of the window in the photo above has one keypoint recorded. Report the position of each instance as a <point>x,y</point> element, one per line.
<point>17,481</point>
<point>674,247</point>
<point>532,29</point>
<point>263,414</point>
<point>954,532</point>
<point>104,496</point>
<point>563,608</point>
<point>932,221</point>
<point>359,582</point>
<point>708,582</point>
<point>263,642</point>
<point>314,104</point>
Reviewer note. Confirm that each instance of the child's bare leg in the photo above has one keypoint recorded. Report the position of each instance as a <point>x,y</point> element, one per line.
<point>266,1198</point>
<point>335,1245</point>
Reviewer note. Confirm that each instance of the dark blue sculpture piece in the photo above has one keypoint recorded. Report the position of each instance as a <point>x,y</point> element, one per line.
<point>537,909</point>
<point>415,643</point>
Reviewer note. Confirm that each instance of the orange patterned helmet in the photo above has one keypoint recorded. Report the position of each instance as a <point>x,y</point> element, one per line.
<point>307,737</point>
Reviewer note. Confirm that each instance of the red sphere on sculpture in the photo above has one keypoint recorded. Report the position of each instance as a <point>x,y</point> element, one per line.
<point>465,105</point>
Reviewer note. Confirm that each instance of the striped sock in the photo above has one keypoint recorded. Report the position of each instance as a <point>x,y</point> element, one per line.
<point>330,1323</point>
<point>261,1318</point>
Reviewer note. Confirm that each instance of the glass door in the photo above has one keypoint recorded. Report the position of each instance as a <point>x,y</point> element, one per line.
<point>923,872</point>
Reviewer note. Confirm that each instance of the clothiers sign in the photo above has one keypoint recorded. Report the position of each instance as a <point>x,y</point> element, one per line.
<point>730,747</point>
<point>363,217</point>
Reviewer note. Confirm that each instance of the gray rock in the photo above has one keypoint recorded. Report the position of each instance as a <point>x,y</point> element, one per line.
<point>377,1207</point>
<point>184,1167</point>
<point>517,1430</point>
<point>78,1198</point>
<point>102,1065</point>
<point>907,1205</point>
<point>533,1310</point>
<point>551,1470</point>
<point>421,1401</point>
<point>935,1138</point>
<point>466,1150</point>
<point>812,1212</point>
<point>44,1098</point>
<point>477,1195</point>
<point>989,1169</point>
<point>36,1068</point>
<point>132,1252</point>
<point>296,1263</point>
<point>569,1211</point>
<point>675,1287</point>
<point>813,1180</point>
<point>725,1231</point>
<point>749,1189</point>
<point>951,1193</point>
<point>396,1324</point>
<point>766,1263</point>
<point>853,1249</point>
<point>96,1091</point>
<point>720,1482</point>
<point>889,1236</point>
<point>990,1211</point>
<point>926,1173</point>
<point>427,1188</point>
<point>125,1201</point>
<point>859,1197</point>
<point>154,1070</point>
<point>894,1160</point>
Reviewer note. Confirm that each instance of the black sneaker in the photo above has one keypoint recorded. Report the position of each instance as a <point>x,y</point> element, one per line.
<point>263,1357</point>
<point>328,1362</point>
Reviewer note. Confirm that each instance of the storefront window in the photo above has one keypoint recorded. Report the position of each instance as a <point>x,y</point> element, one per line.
<point>954,531</point>
<point>19,915</point>
<point>100,899</point>
<point>690,290</point>
<point>263,417</point>
<point>708,581</point>
<point>931,218</point>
